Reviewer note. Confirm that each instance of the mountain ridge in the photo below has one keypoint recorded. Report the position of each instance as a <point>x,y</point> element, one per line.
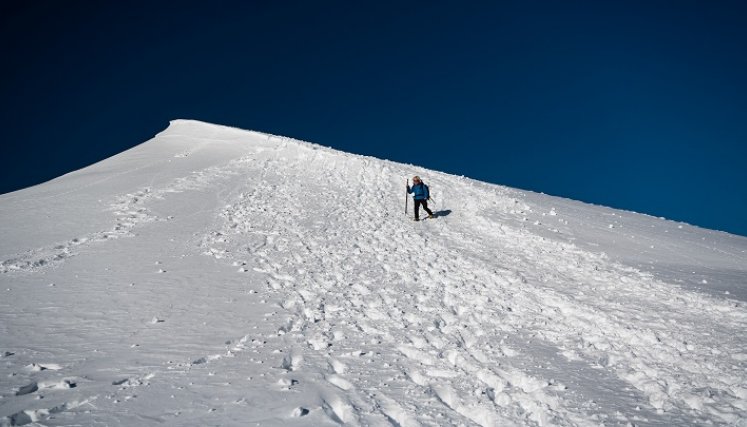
<point>219,276</point>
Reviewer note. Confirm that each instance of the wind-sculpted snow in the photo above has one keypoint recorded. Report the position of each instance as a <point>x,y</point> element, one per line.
<point>128,210</point>
<point>279,283</point>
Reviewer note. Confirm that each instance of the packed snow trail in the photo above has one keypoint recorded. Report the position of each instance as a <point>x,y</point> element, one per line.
<point>285,287</point>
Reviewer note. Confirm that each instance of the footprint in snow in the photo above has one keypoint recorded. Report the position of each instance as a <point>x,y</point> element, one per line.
<point>287,383</point>
<point>339,382</point>
<point>292,361</point>
<point>300,412</point>
<point>49,385</point>
<point>29,416</point>
<point>134,382</point>
<point>36,367</point>
<point>337,366</point>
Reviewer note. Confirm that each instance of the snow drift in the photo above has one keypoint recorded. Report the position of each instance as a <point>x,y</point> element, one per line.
<point>214,276</point>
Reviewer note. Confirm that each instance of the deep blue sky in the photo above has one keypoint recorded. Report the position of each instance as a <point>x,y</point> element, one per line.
<point>640,105</point>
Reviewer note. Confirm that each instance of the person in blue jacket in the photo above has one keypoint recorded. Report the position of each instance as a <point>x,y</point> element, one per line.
<point>421,196</point>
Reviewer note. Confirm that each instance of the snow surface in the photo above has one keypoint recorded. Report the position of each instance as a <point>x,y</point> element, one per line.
<point>214,276</point>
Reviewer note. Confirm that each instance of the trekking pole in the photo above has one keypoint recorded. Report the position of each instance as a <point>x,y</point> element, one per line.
<point>407,184</point>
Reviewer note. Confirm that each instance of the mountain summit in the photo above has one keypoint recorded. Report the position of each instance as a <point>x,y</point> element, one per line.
<point>215,276</point>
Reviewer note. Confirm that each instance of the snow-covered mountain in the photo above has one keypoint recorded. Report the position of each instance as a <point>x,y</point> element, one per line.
<point>215,276</point>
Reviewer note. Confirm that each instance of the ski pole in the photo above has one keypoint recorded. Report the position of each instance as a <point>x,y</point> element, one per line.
<point>407,184</point>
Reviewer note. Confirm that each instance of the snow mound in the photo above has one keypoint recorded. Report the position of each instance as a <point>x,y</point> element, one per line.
<point>218,276</point>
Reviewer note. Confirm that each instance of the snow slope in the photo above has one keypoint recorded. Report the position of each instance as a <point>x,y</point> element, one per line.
<point>214,276</point>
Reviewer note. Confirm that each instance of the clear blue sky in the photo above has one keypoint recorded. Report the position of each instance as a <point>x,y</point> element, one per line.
<point>640,105</point>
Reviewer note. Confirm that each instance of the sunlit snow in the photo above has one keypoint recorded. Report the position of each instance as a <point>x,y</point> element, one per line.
<point>214,276</point>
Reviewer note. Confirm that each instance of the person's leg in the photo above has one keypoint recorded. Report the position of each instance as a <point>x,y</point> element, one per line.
<point>425,206</point>
<point>417,209</point>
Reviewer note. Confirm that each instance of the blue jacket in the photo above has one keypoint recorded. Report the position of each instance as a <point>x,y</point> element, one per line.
<point>419,191</point>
